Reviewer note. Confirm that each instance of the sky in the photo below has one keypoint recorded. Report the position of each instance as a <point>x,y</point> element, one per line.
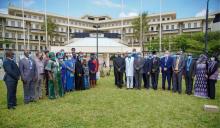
<point>113,8</point>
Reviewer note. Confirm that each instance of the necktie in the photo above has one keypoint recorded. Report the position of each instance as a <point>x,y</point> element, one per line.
<point>177,64</point>
<point>30,63</point>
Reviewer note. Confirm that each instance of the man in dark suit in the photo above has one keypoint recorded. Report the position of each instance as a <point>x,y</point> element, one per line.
<point>155,70</point>
<point>29,74</point>
<point>119,64</point>
<point>178,68</point>
<point>189,73</point>
<point>147,71</point>
<point>11,78</point>
<point>138,70</point>
<point>166,69</point>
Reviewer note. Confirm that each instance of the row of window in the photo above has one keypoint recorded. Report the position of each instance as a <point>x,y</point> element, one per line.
<point>20,47</point>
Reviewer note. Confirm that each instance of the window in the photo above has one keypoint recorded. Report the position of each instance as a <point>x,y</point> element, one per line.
<point>12,23</point>
<point>152,28</point>
<point>163,19</point>
<point>13,46</point>
<point>19,23</point>
<point>167,27</point>
<point>19,36</point>
<point>41,38</point>
<point>195,25</point>
<point>153,20</point>
<point>7,35</point>
<point>13,35</point>
<point>1,45</point>
<point>189,25</point>
<point>7,45</point>
<point>172,27</point>
<point>30,37</point>
<point>36,37</point>
<point>168,18</point>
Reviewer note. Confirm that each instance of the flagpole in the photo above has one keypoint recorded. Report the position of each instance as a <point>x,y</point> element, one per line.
<point>160,26</point>
<point>122,21</point>
<point>141,27</point>
<point>68,23</point>
<point>23,22</point>
<point>45,17</point>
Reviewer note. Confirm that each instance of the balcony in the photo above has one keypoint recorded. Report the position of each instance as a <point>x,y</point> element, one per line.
<point>14,28</point>
<point>198,29</point>
<point>171,31</point>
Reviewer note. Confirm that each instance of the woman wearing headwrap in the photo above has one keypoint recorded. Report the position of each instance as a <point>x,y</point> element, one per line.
<point>59,63</point>
<point>201,77</point>
<point>213,76</point>
<point>79,73</point>
<point>92,70</point>
<point>51,68</point>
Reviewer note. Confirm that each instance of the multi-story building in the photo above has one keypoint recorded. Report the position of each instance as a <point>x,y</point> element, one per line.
<point>15,28</point>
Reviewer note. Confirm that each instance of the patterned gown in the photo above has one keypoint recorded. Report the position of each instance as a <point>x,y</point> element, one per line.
<point>201,81</point>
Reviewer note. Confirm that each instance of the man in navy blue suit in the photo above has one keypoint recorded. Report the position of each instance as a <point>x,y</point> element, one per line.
<point>11,78</point>
<point>166,69</point>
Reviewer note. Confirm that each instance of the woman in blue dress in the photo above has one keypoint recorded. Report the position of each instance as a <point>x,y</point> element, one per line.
<point>200,86</point>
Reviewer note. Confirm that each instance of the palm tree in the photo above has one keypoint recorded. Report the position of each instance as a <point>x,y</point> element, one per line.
<point>136,25</point>
<point>51,27</point>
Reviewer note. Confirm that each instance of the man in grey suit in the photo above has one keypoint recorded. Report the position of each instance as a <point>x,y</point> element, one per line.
<point>138,70</point>
<point>178,69</point>
<point>28,71</point>
<point>189,73</point>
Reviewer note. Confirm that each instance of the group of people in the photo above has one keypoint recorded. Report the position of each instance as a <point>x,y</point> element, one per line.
<point>57,72</point>
<point>173,68</point>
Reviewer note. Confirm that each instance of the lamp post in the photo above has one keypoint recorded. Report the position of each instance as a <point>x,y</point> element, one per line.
<point>206,30</point>
<point>97,40</point>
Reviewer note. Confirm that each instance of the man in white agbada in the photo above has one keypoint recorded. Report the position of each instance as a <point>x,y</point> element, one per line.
<point>129,69</point>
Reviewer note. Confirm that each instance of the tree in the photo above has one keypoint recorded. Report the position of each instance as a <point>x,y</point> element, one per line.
<point>136,25</point>
<point>51,27</point>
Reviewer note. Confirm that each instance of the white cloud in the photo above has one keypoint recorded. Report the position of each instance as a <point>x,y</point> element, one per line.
<point>28,3</point>
<point>201,13</point>
<point>106,3</point>
<point>4,10</point>
<point>129,14</point>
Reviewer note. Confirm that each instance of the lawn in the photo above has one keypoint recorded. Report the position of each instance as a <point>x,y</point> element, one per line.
<point>106,106</point>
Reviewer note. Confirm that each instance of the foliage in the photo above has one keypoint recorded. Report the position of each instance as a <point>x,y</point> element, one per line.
<point>51,27</point>
<point>6,42</point>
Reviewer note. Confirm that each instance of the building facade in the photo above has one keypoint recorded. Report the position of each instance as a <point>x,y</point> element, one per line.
<point>28,32</point>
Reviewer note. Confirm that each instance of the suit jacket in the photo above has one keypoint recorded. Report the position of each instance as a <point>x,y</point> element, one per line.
<point>166,64</point>
<point>138,65</point>
<point>181,64</point>
<point>192,68</point>
<point>147,65</point>
<point>12,72</point>
<point>27,74</point>
<point>119,63</point>
<point>155,65</point>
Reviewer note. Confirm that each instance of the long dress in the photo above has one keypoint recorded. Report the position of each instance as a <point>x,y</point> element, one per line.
<point>201,81</point>
<point>92,69</point>
<point>52,83</point>
<point>59,79</point>
<point>79,75</point>
<point>70,77</point>
<point>86,76</point>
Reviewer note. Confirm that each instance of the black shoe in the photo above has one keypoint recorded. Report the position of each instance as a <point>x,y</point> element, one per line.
<point>11,108</point>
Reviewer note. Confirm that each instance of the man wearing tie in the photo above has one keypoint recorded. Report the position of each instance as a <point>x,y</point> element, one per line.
<point>119,64</point>
<point>155,70</point>
<point>178,68</point>
<point>138,70</point>
<point>189,73</point>
<point>166,69</point>
<point>11,78</point>
<point>147,71</point>
<point>29,74</point>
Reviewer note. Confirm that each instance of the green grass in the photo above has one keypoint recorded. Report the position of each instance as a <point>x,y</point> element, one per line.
<point>106,106</point>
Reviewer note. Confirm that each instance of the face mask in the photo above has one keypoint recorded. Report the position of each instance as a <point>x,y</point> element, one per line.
<point>129,55</point>
<point>139,55</point>
<point>166,55</point>
<point>177,55</point>
<point>212,59</point>
<point>189,57</point>
<point>116,55</point>
<point>154,56</point>
<point>53,58</point>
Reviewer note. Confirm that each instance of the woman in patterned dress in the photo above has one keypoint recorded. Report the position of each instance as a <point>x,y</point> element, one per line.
<point>201,77</point>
